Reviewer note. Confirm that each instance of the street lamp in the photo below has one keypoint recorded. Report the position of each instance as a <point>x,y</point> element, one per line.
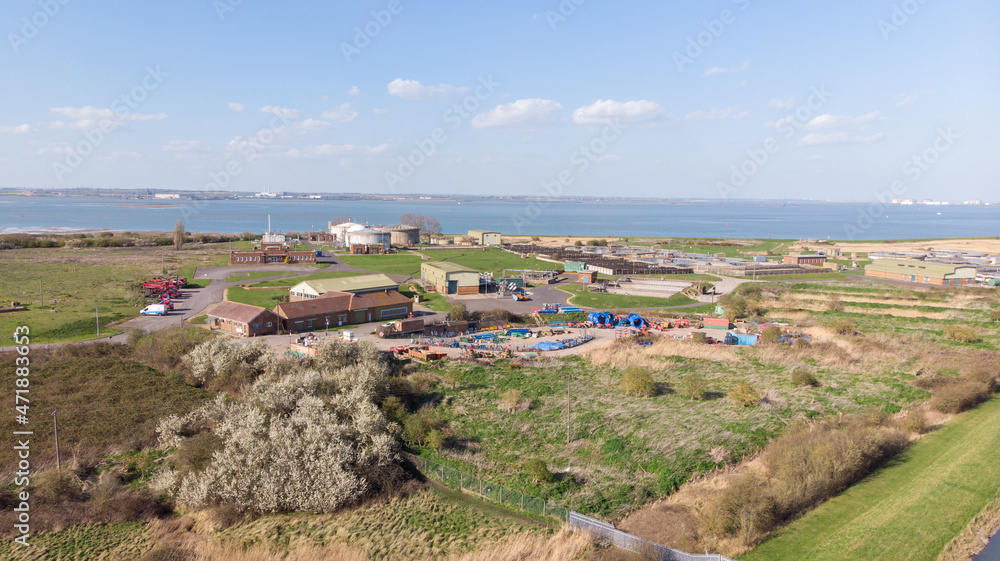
<point>327,326</point>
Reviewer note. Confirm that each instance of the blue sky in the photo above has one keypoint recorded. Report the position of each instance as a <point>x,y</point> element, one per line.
<point>838,100</point>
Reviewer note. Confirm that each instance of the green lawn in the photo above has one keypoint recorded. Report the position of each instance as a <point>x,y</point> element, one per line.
<point>491,260</point>
<point>432,300</point>
<point>292,281</point>
<point>909,510</point>
<point>400,264</point>
<point>619,301</point>
<point>265,298</point>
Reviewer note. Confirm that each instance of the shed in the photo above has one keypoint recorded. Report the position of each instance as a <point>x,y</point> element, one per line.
<point>450,278</point>
<point>716,323</point>
<point>485,237</point>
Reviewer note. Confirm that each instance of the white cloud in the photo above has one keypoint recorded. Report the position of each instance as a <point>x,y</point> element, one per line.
<point>412,89</point>
<point>183,146</point>
<point>354,91</point>
<point>125,155</point>
<point>828,121</point>
<point>524,113</point>
<point>336,150</point>
<point>731,112</point>
<point>343,114</point>
<point>60,148</point>
<point>907,99</point>
<point>236,106</point>
<point>380,110</point>
<point>727,70</point>
<point>19,129</point>
<point>782,103</point>
<point>283,112</point>
<point>601,112</point>
<point>90,117</point>
<point>838,138</point>
<point>312,125</point>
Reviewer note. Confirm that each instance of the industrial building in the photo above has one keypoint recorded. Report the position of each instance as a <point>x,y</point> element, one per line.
<point>816,260</point>
<point>342,308</point>
<point>922,272</point>
<point>450,278</point>
<point>402,235</point>
<point>271,252</point>
<point>243,320</point>
<point>368,240</point>
<point>311,289</point>
<point>485,237</point>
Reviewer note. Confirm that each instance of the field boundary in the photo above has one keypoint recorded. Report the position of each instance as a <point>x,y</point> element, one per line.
<point>604,532</point>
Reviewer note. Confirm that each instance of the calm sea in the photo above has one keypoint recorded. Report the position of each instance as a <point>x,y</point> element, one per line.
<point>743,219</point>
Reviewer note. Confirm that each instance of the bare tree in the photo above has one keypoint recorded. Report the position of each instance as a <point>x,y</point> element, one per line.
<point>178,235</point>
<point>427,224</point>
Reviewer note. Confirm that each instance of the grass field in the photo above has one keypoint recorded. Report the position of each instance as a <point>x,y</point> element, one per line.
<point>432,300</point>
<point>628,450</point>
<point>292,281</point>
<point>90,542</point>
<point>605,301</point>
<point>909,510</point>
<point>401,264</point>
<point>491,260</point>
<point>265,298</point>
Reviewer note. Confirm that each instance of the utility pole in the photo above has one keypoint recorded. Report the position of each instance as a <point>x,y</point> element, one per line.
<point>55,425</point>
<point>97,315</point>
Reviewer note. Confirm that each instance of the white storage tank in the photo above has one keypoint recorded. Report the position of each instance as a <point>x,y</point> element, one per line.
<point>402,235</point>
<point>340,231</point>
<point>369,236</point>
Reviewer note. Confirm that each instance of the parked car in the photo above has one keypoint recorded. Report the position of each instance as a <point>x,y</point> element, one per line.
<point>154,310</point>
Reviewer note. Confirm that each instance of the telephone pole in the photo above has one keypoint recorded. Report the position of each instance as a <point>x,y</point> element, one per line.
<point>97,314</point>
<point>55,426</point>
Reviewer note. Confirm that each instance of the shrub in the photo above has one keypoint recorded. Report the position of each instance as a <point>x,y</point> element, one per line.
<point>961,333</point>
<point>959,396</point>
<point>578,243</point>
<point>538,470</point>
<point>699,337</point>
<point>770,335</point>
<point>744,509</point>
<point>459,312</point>
<point>417,427</point>
<point>512,401</point>
<point>915,422</point>
<point>638,382</point>
<point>745,395</point>
<point>434,439</point>
<point>802,377</point>
<point>693,387</point>
<point>835,305</point>
<point>995,315</point>
<point>842,327</point>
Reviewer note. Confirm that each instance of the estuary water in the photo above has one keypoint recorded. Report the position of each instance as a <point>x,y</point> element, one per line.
<point>717,219</point>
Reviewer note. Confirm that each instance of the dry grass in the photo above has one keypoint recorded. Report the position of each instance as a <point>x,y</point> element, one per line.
<point>625,355</point>
<point>564,546</point>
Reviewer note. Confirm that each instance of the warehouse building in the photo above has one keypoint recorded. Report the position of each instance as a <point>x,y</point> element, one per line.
<point>450,278</point>
<point>485,237</point>
<point>342,308</point>
<point>242,320</point>
<point>922,272</point>
<point>815,260</point>
<point>310,289</point>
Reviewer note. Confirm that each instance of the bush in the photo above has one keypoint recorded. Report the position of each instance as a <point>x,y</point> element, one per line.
<point>578,243</point>
<point>745,395</point>
<point>512,401</point>
<point>434,439</point>
<point>915,422</point>
<point>538,470</point>
<point>744,509</point>
<point>995,315</point>
<point>418,427</point>
<point>835,305</point>
<point>842,327</point>
<point>459,312</point>
<point>699,337</point>
<point>959,396</point>
<point>961,333</point>
<point>770,335</point>
<point>693,387</point>
<point>802,378</point>
<point>638,382</point>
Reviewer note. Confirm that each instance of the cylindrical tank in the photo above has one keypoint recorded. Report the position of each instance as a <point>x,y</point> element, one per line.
<point>340,231</point>
<point>402,235</point>
<point>369,236</point>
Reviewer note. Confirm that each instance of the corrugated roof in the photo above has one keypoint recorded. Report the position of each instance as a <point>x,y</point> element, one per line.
<point>330,303</point>
<point>377,300</point>
<point>352,284</point>
<point>449,267</point>
<point>913,267</point>
<point>243,313</point>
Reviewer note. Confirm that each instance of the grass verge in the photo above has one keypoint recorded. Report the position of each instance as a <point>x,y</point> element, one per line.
<point>604,301</point>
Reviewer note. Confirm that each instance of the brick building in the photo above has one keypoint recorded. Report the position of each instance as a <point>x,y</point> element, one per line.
<point>243,319</point>
<point>814,260</point>
<point>342,308</point>
<point>271,252</point>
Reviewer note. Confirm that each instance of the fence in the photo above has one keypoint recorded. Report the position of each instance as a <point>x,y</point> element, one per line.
<point>487,489</point>
<point>604,532</point>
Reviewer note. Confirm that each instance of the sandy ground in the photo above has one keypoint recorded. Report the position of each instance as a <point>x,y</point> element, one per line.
<point>991,246</point>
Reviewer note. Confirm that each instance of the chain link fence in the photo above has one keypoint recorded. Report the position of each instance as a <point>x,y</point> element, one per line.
<point>606,533</point>
<point>495,492</point>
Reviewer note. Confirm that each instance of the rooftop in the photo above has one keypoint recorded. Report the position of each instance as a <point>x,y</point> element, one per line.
<point>449,267</point>
<point>243,313</point>
<point>937,270</point>
<point>352,284</point>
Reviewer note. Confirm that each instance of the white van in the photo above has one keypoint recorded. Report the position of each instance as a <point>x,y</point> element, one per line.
<point>154,310</point>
